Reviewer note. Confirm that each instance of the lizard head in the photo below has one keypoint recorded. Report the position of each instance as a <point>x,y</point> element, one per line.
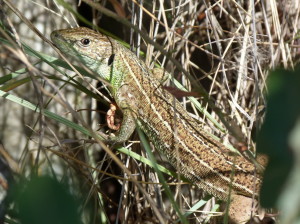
<point>93,49</point>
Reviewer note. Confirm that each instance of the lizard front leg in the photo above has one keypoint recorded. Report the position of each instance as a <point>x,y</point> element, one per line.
<point>127,102</point>
<point>126,129</point>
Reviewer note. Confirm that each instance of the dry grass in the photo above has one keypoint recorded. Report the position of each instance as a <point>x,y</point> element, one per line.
<point>227,46</point>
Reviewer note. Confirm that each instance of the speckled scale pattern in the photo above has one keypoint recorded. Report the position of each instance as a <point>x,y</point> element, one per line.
<point>173,135</point>
<point>203,160</point>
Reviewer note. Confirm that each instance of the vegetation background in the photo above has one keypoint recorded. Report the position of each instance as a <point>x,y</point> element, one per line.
<point>49,162</point>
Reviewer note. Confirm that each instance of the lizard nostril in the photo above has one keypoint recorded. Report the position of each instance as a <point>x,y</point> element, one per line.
<point>54,35</point>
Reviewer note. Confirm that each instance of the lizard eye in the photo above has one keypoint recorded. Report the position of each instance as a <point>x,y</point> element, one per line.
<point>85,42</point>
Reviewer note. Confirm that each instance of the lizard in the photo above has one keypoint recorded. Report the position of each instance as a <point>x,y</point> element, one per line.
<point>200,158</point>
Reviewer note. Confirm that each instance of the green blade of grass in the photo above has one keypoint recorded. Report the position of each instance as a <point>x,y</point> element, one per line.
<point>146,145</point>
<point>45,112</point>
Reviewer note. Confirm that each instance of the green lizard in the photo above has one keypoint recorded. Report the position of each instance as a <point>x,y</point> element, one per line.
<point>138,93</point>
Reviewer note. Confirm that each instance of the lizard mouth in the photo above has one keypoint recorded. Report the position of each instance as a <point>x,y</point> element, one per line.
<point>62,43</point>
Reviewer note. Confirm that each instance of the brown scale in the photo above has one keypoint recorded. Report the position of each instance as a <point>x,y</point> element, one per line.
<point>213,179</point>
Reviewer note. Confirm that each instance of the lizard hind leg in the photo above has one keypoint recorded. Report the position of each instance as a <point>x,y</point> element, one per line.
<point>242,209</point>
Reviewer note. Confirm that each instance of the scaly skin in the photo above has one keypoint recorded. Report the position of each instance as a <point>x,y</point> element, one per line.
<point>200,158</point>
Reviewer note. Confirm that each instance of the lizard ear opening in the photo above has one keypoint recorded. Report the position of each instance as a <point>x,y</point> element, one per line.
<point>111,59</point>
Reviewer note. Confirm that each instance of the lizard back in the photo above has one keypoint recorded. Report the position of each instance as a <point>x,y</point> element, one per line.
<point>200,158</point>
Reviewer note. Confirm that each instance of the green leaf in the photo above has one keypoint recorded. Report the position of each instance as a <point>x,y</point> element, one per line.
<point>283,110</point>
<point>45,200</point>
